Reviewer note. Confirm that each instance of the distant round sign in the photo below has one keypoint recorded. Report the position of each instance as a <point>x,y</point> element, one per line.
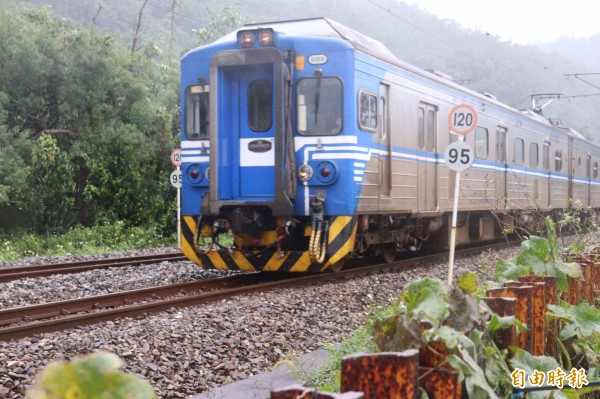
<point>176,178</point>
<point>459,156</point>
<point>176,157</point>
<point>462,119</point>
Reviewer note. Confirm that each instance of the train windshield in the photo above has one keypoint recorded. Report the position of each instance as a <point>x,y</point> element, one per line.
<point>196,110</point>
<point>319,102</point>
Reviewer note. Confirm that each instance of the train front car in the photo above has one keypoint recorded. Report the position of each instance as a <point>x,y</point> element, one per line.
<point>268,164</point>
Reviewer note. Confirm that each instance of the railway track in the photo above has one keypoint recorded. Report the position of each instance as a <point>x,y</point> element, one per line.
<point>14,273</point>
<point>56,316</point>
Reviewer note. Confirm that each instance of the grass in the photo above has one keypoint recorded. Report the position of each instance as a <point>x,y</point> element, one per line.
<point>82,241</point>
<point>328,378</point>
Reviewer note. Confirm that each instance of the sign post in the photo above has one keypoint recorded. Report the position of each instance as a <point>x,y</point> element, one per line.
<point>459,156</point>
<point>176,179</point>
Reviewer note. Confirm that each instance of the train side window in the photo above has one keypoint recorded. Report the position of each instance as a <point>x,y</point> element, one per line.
<point>260,105</point>
<point>595,170</point>
<point>431,130</point>
<point>481,143</point>
<point>501,144</point>
<point>519,151</point>
<point>367,111</point>
<point>197,112</point>
<point>546,156</point>
<point>319,102</point>
<point>558,161</point>
<point>533,155</point>
<point>421,128</point>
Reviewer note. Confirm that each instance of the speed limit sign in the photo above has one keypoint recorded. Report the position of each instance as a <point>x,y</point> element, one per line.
<point>176,157</point>
<point>462,119</point>
<point>459,156</point>
<point>176,178</point>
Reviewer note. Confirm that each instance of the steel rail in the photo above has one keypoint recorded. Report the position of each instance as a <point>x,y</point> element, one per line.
<point>14,273</point>
<point>284,281</point>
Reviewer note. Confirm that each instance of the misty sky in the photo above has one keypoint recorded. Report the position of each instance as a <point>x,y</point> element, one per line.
<point>520,21</point>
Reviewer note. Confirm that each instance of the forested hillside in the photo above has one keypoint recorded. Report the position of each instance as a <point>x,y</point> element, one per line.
<point>86,126</point>
<point>89,104</point>
<point>478,60</point>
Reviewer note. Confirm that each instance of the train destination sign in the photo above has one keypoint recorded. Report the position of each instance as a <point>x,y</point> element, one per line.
<point>462,119</point>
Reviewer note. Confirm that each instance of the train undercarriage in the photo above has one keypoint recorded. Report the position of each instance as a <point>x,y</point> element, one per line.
<point>250,238</point>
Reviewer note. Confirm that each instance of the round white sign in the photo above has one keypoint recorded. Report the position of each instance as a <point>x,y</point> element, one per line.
<point>462,119</point>
<point>459,156</point>
<point>176,157</point>
<point>176,178</point>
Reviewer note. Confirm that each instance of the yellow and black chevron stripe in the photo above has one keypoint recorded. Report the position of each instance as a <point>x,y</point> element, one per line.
<point>342,233</point>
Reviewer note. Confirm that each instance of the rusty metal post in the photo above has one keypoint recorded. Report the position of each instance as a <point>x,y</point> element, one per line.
<point>300,392</point>
<point>538,324</point>
<point>551,299</point>
<point>504,307</point>
<point>524,296</point>
<point>440,383</point>
<point>575,288</point>
<point>390,375</point>
<point>588,275</point>
<point>595,275</point>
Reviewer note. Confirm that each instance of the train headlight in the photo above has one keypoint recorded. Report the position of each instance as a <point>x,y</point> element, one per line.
<point>247,39</point>
<point>305,172</point>
<point>265,37</point>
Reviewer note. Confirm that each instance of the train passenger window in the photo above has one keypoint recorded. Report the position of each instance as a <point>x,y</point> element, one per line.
<point>501,144</point>
<point>558,161</point>
<point>482,148</point>
<point>196,112</point>
<point>519,151</point>
<point>595,170</point>
<point>546,156</point>
<point>319,102</point>
<point>533,155</point>
<point>421,128</point>
<point>260,105</point>
<point>367,111</point>
<point>430,130</point>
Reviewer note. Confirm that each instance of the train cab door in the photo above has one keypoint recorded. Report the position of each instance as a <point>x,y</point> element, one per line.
<point>500,181</point>
<point>385,148</point>
<point>247,134</point>
<point>427,196</point>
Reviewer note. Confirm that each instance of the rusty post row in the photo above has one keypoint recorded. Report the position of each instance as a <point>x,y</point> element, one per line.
<point>390,375</point>
<point>504,307</point>
<point>524,312</point>
<point>538,324</point>
<point>551,299</point>
<point>300,392</point>
<point>440,383</point>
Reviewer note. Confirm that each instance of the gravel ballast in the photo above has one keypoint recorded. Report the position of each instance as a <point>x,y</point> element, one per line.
<point>183,352</point>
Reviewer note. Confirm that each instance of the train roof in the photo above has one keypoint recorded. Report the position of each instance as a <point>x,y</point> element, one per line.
<point>326,27</point>
<point>323,27</point>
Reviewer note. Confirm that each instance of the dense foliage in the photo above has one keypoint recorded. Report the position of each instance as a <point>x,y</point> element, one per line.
<point>86,126</point>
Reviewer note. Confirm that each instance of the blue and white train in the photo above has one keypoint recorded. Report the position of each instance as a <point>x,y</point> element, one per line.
<point>306,143</point>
